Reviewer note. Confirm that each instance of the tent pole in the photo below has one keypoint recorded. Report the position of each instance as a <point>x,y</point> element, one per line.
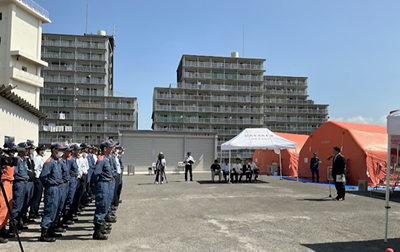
<point>229,175</point>
<point>389,150</point>
<point>280,162</point>
<point>297,164</point>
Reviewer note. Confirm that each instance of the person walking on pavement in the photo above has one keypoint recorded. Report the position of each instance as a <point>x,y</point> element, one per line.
<point>160,166</point>
<point>188,161</point>
<point>314,163</point>
<point>338,172</point>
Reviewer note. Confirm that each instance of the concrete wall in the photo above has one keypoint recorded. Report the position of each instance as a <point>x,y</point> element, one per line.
<point>17,122</point>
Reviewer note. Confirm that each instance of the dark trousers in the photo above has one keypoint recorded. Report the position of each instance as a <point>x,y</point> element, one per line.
<point>116,197</point>
<point>248,176</point>
<point>37,197</point>
<point>84,182</point>
<point>315,171</point>
<point>226,175</point>
<point>188,168</point>
<point>340,189</point>
<point>234,175</point>
<point>28,197</point>
<point>160,173</point>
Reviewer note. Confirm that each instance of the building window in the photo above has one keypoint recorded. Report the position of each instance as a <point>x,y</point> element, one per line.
<point>25,69</point>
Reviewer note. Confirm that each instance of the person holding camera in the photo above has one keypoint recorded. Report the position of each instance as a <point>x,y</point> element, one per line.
<point>7,177</point>
<point>161,164</point>
<point>188,161</point>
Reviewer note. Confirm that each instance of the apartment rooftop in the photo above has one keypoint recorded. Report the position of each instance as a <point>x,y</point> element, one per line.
<point>33,8</point>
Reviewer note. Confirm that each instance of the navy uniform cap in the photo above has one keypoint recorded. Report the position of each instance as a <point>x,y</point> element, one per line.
<point>30,144</point>
<point>21,147</point>
<point>83,145</point>
<point>57,146</point>
<point>9,144</point>
<point>107,143</point>
<point>75,147</point>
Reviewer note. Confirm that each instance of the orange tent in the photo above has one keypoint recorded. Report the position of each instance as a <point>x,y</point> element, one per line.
<point>364,146</point>
<point>264,158</point>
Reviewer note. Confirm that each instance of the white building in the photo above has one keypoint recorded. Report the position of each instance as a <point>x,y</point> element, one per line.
<point>20,65</point>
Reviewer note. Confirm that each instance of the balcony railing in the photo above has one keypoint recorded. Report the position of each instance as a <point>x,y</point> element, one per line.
<point>222,76</point>
<point>220,87</point>
<point>287,101</point>
<point>285,83</point>
<point>209,120</point>
<point>219,131</point>
<point>85,117</point>
<point>67,43</point>
<point>86,104</point>
<point>36,7</point>
<point>213,98</point>
<point>285,92</point>
<point>49,140</point>
<point>65,79</point>
<point>62,128</point>
<point>208,109</point>
<point>222,65</point>
<point>296,111</point>
<point>65,55</point>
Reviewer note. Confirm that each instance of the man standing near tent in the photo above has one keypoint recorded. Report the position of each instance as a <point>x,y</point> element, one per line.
<point>314,163</point>
<point>188,161</point>
<point>338,172</point>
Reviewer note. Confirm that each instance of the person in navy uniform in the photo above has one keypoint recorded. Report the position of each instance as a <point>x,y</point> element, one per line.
<point>314,163</point>
<point>338,168</point>
<point>64,189</point>
<point>73,183</point>
<point>101,179</point>
<point>19,187</point>
<point>29,187</point>
<point>51,178</point>
<point>92,166</point>
<point>121,163</point>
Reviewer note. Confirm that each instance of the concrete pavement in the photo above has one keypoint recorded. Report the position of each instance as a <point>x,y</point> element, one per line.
<point>270,215</point>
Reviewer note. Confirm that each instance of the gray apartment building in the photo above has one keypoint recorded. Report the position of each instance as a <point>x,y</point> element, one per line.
<point>228,94</point>
<point>78,94</point>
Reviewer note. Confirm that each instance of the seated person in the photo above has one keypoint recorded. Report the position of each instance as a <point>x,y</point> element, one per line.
<point>254,169</point>
<point>215,170</point>
<point>236,170</point>
<point>225,169</point>
<point>246,170</point>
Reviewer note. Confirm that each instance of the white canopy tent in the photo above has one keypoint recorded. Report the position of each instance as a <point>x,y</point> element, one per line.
<point>259,138</point>
<point>393,130</point>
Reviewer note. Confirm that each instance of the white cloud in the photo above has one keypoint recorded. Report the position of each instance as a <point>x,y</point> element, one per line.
<point>361,119</point>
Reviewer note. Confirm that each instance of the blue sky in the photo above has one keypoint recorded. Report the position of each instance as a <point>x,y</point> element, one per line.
<point>349,50</point>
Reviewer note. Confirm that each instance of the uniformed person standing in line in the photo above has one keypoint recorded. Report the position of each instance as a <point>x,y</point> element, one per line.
<point>101,179</point>
<point>38,187</point>
<point>118,200</point>
<point>51,178</point>
<point>92,166</point>
<point>71,206</point>
<point>7,179</point>
<point>20,179</point>
<point>111,217</point>
<point>29,187</point>
<point>64,188</point>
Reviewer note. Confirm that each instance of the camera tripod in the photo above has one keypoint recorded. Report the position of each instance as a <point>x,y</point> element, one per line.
<point>12,222</point>
<point>161,177</point>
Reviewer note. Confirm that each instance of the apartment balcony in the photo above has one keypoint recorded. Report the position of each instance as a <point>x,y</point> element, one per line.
<point>73,44</point>
<point>72,56</point>
<point>215,87</point>
<point>65,79</point>
<point>47,103</point>
<point>49,140</point>
<point>294,119</point>
<point>297,111</point>
<point>222,65</point>
<point>213,98</point>
<point>208,120</point>
<point>285,92</point>
<point>90,69</point>
<point>286,101</point>
<point>71,91</point>
<point>220,132</point>
<point>26,77</point>
<point>293,83</point>
<point>222,76</point>
<point>62,128</point>
<point>209,109</point>
<point>291,129</point>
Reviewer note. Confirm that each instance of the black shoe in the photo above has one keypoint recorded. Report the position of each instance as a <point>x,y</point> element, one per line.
<point>98,235</point>
<point>3,240</point>
<point>120,201</point>
<point>59,230</point>
<point>337,198</point>
<point>45,237</point>
<point>51,232</point>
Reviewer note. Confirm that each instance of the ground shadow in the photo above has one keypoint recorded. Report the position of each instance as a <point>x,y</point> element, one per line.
<point>209,182</point>
<point>321,199</point>
<point>364,246</point>
<point>394,197</point>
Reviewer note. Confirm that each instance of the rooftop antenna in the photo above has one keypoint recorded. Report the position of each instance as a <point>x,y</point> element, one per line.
<point>115,30</point>
<point>87,10</point>
<point>243,43</point>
